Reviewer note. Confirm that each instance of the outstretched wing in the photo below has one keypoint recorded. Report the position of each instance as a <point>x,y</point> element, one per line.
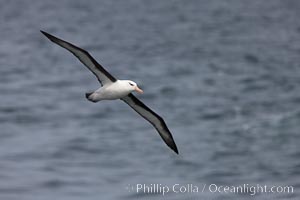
<point>153,118</point>
<point>103,76</point>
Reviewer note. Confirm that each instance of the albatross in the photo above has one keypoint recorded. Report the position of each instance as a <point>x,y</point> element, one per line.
<point>112,88</point>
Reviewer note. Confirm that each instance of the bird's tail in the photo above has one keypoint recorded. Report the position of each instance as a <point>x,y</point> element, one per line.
<point>90,96</point>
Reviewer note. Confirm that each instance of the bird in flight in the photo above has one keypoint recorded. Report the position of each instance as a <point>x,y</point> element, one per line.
<point>112,88</point>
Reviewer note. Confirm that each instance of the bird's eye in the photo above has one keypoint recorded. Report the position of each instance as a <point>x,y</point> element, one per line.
<point>131,84</point>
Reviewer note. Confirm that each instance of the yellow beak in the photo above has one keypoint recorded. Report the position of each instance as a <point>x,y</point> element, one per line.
<point>139,90</point>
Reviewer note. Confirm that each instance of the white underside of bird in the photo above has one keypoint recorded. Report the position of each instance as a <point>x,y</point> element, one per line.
<point>112,91</point>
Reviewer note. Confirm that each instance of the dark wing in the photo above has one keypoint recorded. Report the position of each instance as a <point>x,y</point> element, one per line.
<point>102,75</point>
<point>153,118</point>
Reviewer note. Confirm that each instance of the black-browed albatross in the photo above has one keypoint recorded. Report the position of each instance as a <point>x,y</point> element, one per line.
<point>113,88</point>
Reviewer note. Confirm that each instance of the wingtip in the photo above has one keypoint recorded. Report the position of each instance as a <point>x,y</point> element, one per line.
<point>174,148</point>
<point>43,32</point>
<point>49,36</point>
<point>177,152</point>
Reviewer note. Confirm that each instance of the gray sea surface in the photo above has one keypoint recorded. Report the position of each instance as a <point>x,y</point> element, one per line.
<point>225,76</point>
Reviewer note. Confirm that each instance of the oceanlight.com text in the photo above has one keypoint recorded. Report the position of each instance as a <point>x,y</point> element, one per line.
<point>250,189</point>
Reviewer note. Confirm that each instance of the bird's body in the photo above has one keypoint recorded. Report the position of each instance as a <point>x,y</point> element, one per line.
<point>113,88</point>
<point>112,91</point>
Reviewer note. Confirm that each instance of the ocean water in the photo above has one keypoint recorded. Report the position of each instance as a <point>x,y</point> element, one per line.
<point>225,75</point>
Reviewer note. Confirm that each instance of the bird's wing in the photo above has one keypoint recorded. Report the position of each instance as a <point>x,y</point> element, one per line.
<point>153,118</point>
<point>103,76</point>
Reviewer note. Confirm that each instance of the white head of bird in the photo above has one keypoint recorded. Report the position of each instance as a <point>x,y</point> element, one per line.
<point>131,86</point>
